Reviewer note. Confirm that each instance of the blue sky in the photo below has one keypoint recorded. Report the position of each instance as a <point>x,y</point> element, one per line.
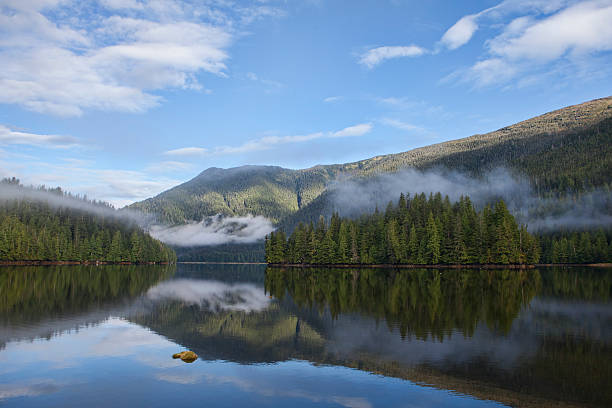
<point>122,99</point>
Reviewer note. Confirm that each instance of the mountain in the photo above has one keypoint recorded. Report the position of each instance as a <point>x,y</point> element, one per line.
<point>567,150</point>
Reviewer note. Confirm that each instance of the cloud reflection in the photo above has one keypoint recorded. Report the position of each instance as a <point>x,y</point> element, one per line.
<point>212,295</point>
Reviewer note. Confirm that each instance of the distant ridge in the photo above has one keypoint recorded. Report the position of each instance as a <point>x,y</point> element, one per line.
<point>566,149</point>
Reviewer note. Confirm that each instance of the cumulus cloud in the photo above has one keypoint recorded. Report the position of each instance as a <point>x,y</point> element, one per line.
<point>268,142</point>
<point>463,30</point>
<point>460,33</point>
<point>545,32</point>
<point>214,230</point>
<point>376,56</point>
<point>578,30</point>
<point>56,57</point>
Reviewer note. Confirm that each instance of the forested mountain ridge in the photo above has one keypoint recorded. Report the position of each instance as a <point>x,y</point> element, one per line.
<point>569,149</point>
<point>271,191</point>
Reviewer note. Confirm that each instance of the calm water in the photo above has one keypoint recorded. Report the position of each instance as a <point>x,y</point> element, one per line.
<point>104,336</point>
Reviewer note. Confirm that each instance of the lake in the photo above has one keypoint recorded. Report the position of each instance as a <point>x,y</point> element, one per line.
<point>105,335</point>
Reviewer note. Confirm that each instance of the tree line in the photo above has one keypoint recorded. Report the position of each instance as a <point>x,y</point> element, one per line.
<point>417,230</point>
<point>432,230</point>
<point>576,247</point>
<point>35,230</point>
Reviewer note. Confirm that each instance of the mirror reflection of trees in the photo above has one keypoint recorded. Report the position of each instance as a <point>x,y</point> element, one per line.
<point>420,302</point>
<point>590,284</point>
<point>33,292</point>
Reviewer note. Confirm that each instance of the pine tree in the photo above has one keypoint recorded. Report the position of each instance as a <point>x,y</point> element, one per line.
<point>433,241</point>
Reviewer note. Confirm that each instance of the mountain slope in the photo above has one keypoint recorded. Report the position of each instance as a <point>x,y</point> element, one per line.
<point>567,149</point>
<point>273,192</point>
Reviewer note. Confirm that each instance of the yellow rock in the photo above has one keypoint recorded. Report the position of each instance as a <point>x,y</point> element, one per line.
<point>186,356</point>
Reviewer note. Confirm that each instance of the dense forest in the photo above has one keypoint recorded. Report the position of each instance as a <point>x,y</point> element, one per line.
<point>429,231</point>
<point>67,228</point>
<point>417,230</point>
<point>576,247</point>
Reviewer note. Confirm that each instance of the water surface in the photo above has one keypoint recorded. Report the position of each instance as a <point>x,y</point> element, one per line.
<point>105,335</point>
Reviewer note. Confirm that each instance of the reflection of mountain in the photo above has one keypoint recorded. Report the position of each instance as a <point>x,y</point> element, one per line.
<point>266,336</point>
<point>477,332</point>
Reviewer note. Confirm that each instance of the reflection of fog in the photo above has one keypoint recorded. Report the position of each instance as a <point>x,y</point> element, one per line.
<point>576,318</point>
<point>212,295</point>
<point>352,335</point>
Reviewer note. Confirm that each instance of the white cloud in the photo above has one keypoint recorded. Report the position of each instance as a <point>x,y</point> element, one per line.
<point>378,55</point>
<point>332,99</point>
<point>187,151</point>
<point>463,30</point>
<point>579,30</point>
<point>460,33</point>
<point>526,44</point>
<point>357,130</point>
<point>8,136</point>
<point>398,124</point>
<point>56,57</point>
<point>268,142</point>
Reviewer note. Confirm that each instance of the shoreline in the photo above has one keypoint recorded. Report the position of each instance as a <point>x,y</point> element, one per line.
<point>439,266</point>
<point>220,263</point>
<point>49,263</point>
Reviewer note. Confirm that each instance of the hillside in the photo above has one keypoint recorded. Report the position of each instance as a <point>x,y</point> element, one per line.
<point>38,224</point>
<point>567,150</point>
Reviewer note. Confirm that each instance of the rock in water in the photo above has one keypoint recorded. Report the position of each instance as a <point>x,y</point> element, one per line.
<point>186,356</point>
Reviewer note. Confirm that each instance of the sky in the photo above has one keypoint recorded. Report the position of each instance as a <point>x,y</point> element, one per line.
<point>120,100</point>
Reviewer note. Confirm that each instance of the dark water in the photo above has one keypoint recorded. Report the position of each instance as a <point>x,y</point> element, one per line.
<point>104,336</point>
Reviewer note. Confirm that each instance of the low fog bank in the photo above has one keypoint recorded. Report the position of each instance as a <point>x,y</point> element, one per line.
<point>56,198</point>
<point>358,196</point>
<point>214,230</point>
